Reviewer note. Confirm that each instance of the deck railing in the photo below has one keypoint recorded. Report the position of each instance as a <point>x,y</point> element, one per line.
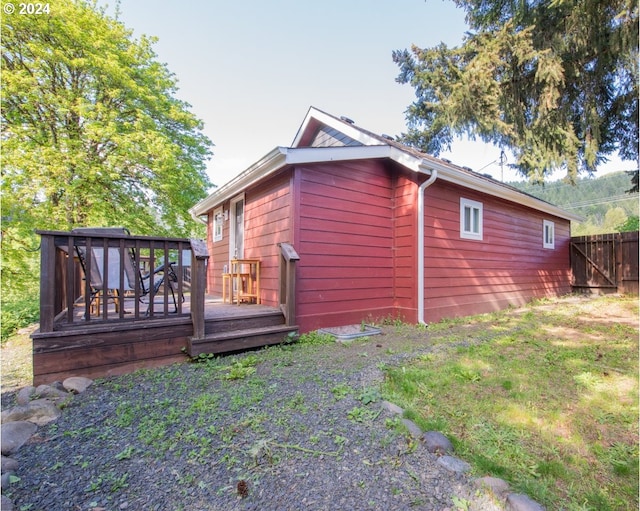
<point>89,278</point>
<point>288,259</point>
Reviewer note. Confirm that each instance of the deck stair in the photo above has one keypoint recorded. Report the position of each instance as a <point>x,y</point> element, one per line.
<point>244,330</point>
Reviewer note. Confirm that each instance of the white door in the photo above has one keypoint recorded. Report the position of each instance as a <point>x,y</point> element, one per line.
<point>236,245</point>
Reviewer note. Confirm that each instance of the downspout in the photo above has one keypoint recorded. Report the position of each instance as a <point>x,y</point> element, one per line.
<point>421,190</point>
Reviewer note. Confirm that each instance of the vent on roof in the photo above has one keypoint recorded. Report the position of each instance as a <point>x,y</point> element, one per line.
<point>468,168</point>
<point>388,137</point>
<point>445,160</point>
<point>346,119</point>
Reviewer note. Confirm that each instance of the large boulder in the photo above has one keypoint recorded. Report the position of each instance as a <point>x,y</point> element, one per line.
<point>39,411</point>
<point>437,443</point>
<point>77,384</point>
<point>25,395</point>
<point>518,502</point>
<point>14,435</point>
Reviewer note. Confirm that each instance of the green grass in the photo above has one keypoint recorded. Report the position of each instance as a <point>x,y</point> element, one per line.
<point>547,400</point>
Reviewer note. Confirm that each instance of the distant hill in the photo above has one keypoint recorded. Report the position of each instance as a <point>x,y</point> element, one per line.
<point>603,201</point>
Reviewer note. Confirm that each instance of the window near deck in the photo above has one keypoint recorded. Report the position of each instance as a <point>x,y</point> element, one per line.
<point>470,219</point>
<point>218,221</point>
<point>548,234</point>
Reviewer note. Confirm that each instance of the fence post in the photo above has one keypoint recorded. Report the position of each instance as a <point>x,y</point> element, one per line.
<point>198,286</point>
<point>47,280</point>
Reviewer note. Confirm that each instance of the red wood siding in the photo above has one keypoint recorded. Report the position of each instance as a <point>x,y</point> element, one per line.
<point>267,222</point>
<point>344,239</point>
<point>405,246</point>
<point>508,267</point>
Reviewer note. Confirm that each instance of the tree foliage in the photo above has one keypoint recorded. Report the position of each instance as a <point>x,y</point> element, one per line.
<point>603,202</point>
<point>556,81</point>
<point>92,131</point>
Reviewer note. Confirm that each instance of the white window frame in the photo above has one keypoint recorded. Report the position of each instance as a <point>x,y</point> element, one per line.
<point>548,234</point>
<point>218,224</point>
<point>474,232</point>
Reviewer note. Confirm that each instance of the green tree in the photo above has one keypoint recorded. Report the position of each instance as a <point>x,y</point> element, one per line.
<point>631,224</point>
<point>92,132</point>
<point>556,81</point>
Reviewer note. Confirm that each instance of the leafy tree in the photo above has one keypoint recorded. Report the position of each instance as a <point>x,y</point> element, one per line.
<point>554,80</point>
<point>631,224</point>
<point>92,133</point>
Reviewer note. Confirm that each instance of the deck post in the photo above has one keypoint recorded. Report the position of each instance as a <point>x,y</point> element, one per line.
<point>198,286</point>
<point>47,278</point>
<point>288,282</point>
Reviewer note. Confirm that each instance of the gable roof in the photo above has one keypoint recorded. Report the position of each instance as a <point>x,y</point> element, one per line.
<point>323,137</point>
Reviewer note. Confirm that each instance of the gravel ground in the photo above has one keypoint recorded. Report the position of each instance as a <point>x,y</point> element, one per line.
<point>286,428</point>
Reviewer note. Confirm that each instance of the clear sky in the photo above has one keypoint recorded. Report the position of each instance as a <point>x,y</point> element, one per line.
<point>252,68</point>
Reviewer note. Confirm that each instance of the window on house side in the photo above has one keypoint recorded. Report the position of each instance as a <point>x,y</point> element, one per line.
<point>470,219</point>
<point>548,234</point>
<point>218,220</point>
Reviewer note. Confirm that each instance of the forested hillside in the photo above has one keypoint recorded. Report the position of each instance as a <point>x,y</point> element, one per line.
<point>603,202</point>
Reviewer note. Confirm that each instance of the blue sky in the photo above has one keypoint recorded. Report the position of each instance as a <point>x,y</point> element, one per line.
<point>251,69</point>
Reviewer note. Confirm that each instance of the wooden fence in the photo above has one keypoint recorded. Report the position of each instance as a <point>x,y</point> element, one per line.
<point>605,263</point>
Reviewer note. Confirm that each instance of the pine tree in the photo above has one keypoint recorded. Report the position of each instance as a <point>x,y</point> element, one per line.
<point>556,81</point>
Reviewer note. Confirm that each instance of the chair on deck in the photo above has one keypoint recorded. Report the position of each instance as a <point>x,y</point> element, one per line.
<point>131,270</point>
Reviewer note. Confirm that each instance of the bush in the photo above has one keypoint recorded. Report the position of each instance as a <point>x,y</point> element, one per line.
<point>18,313</point>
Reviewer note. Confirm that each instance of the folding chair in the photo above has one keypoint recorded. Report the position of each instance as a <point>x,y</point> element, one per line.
<point>108,288</point>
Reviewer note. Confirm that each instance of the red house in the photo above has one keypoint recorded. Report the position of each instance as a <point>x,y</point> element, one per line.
<point>383,230</point>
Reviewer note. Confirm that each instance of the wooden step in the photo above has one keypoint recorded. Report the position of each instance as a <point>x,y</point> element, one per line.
<point>238,340</point>
<point>243,322</point>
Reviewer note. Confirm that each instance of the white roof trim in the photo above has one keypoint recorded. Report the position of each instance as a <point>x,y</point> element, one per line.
<point>271,162</point>
<point>344,127</point>
<point>282,156</point>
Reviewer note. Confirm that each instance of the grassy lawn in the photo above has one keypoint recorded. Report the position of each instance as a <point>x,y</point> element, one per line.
<point>545,397</point>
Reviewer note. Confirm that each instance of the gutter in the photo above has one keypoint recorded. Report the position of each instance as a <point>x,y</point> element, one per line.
<point>421,190</point>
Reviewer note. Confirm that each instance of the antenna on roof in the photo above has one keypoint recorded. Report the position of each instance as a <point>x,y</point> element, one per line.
<point>346,119</point>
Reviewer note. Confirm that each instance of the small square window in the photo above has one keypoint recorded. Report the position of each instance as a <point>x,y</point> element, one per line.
<point>218,221</point>
<point>548,234</point>
<point>470,219</point>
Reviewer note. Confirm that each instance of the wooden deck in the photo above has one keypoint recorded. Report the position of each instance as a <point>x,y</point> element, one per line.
<point>107,348</point>
<point>82,334</point>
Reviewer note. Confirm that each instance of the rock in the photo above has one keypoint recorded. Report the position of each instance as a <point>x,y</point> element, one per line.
<point>518,502</point>
<point>40,412</point>
<point>48,392</point>
<point>393,408</point>
<point>8,465</point>
<point>6,504</point>
<point>58,385</point>
<point>437,443</point>
<point>453,464</point>
<point>14,435</point>
<point>77,384</point>
<point>498,486</point>
<point>25,395</point>
<point>5,480</point>
<point>413,428</point>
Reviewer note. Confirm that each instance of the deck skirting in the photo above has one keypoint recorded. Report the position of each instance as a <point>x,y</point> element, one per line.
<point>111,349</point>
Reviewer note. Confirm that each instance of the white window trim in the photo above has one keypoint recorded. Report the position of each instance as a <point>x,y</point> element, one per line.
<point>218,224</point>
<point>548,227</point>
<point>474,205</point>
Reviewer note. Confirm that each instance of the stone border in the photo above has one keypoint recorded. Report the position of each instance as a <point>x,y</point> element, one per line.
<point>438,444</point>
<point>34,407</point>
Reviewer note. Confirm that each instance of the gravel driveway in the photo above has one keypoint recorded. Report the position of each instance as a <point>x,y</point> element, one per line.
<point>287,428</point>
